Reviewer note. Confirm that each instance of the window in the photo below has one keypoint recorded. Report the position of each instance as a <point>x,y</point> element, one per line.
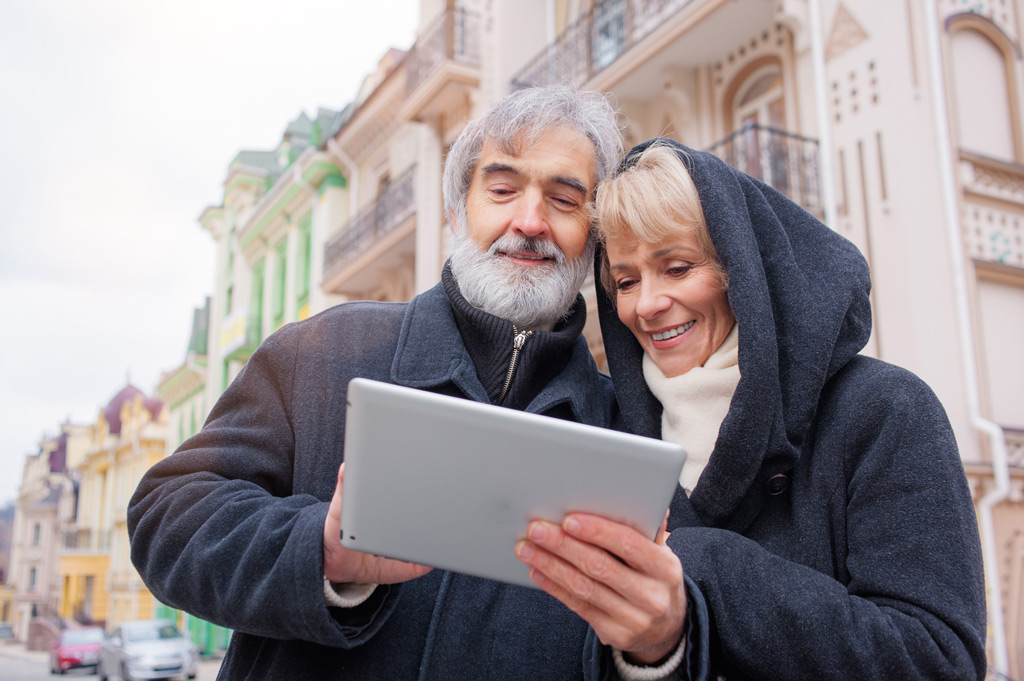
<point>32,579</point>
<point>229,294</point>
<point>1001,315</point>
<point>256,303</point>
<point>608,33</point>
<point>983,95</point>
<point>36,534</point>
<point>302,265</point>
<point>756,109</point>
<point>280,278</point>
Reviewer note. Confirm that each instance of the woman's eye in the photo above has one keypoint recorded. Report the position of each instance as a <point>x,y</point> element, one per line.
<point>624,284</point>
<point>679,270</point>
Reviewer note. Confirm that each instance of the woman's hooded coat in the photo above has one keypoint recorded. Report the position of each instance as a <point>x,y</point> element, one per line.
<point>832,534</point>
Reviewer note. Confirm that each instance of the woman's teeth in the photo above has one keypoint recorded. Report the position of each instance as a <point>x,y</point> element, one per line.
<point>672,333</point>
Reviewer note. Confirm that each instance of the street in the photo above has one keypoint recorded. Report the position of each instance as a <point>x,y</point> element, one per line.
<point>18,664</point>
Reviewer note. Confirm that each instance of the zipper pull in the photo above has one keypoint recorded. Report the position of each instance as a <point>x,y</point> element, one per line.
<point>518,340</point>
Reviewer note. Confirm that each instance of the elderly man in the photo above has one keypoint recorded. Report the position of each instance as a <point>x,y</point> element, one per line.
<point>240,526</point>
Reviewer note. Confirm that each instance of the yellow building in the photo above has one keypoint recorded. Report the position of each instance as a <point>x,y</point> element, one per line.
<point>99,583</point>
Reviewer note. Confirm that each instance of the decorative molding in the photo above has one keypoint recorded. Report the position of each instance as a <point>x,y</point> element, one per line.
<point>993,235</point>
<point>1002,13</point>
<point>992,178</point>
<point>770,42</point>
<point>846,34</point>
<point>1015,448</point>
<point>854,92</point>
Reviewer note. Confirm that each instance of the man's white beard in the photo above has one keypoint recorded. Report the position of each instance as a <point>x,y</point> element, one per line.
<point>527,296</point>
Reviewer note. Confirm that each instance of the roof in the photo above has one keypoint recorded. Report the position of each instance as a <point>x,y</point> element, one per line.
<point>200,329</point>
<point>333,124</point>
<point>300,128</point>
<point>112,411</point>
<point>59,456</point>
<point>153,405</point>
<point>257,160</point>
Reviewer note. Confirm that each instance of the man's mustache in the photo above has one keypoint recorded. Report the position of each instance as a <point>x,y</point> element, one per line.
<point>542,247</point>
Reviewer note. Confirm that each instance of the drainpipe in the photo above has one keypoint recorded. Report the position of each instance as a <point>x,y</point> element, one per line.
<point>550,11</point>
<point>996,436</point>
<point>353,173</point>
<point>828,194</point>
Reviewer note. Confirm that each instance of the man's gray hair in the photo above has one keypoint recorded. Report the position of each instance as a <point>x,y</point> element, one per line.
<point>520,119</point>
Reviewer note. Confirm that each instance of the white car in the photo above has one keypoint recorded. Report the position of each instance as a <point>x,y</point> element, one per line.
<point>147,649</point>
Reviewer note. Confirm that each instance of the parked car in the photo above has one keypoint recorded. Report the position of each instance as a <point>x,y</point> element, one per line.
<point>76,648</point>
<point>147,649</point>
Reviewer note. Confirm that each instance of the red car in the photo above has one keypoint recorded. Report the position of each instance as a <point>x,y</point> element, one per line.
<point>76,648</point>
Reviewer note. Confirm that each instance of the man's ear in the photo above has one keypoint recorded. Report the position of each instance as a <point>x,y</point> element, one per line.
<point>451,219</point>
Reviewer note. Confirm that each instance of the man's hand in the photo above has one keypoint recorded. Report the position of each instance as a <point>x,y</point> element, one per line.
<point>354,567</point>
<point>628,588</point>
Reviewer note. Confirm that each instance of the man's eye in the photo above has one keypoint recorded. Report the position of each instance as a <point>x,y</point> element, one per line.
<point>564,202</point>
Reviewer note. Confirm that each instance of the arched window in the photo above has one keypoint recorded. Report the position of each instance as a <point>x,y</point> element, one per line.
<point>759,100</point>
<point>983,99</point>
<point>755,110</point>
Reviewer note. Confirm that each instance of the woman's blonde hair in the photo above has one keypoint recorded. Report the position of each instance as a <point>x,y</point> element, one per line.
<point>652,200</point>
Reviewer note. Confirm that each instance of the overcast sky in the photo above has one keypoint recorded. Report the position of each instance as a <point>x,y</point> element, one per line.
<point>118,120</point>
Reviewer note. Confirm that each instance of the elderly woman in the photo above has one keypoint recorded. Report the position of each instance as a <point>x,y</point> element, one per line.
<point>823,521</point>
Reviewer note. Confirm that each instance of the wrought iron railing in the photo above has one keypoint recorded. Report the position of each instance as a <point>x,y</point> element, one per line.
<point>393,207</point>
<point>786,161</point>
<point>454,36</point>
<point>595,40</point>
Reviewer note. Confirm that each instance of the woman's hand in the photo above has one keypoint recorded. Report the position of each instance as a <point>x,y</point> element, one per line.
<point>354,567</point>
<point>628,588</point>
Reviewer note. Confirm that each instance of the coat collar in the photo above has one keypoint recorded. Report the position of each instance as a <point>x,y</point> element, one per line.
<point>431,354</point>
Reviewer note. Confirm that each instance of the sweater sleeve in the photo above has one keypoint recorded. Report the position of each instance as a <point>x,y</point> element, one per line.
<point>691,664</point>
<point>216,530</point>
<point>907,601</point>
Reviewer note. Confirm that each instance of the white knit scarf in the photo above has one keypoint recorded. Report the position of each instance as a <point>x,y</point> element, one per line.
<point>695,404</point>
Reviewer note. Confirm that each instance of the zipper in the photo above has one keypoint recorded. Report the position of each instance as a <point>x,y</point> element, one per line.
<point>518,340</point>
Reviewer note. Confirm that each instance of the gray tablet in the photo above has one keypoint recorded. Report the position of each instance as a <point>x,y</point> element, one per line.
<point>453,483</point>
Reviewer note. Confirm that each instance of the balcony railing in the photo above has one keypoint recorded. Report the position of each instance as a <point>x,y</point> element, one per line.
<point>393,207</point>
<point>993,215</point>
<point>595,40</point>
<point>1014,446</point>
<point>787,162</point>
<point>454,36</point>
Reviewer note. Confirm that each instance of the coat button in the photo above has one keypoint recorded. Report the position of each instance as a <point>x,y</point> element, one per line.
<point>776,485</point>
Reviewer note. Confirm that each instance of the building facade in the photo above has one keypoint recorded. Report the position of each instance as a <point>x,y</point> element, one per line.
<point>98,582</point>
<point>898,122</point>
<point>40,518</point>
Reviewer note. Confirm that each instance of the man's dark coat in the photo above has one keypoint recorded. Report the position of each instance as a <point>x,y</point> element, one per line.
<point>230,527</point>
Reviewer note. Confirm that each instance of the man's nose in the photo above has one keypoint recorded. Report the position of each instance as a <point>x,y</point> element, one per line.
<point>531,219</point>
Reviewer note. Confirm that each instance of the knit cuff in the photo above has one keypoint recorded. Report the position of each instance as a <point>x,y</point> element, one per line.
<point>666,670</point>
<point>339,595</point>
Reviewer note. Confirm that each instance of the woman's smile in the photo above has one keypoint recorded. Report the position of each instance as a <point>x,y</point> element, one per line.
<point>658,286</point>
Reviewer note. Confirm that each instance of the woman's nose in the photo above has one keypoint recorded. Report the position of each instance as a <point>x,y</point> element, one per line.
<point>652,301</point>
